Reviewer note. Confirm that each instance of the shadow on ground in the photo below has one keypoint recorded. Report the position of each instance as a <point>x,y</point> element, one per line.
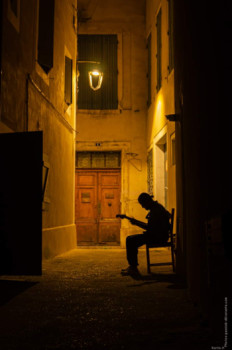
<point>175,281</point>
<point>10,289</point>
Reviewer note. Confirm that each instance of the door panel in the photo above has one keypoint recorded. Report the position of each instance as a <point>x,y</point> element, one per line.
<point>86,203</point>
<point>110,207</point>
<point>109,179</point>
<point>86,179</point>
<point>109,232</point>
<point>97,206</point>
<point>86,207</point>
<point>87,233</point>
<point>109,196</point>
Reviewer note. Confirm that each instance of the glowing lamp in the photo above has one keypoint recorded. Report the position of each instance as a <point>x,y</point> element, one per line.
<point>95,79</point>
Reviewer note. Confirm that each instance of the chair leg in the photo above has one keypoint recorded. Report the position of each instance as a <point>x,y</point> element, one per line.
<point>148,260</point>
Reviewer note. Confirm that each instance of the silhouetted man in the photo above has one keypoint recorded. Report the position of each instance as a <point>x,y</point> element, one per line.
<point>156,230</point>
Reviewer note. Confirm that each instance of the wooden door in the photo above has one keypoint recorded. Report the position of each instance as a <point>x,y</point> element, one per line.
<point>97,203</point>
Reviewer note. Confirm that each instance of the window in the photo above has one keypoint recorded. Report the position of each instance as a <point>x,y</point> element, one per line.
<point>98,160</point>
<point>46,33</point>
<point>173,149</point>
<point>170,34</point>
<point>149,70</point>
<point>150,172</point>
<point>103,49</point>
<point>68,81</point>
<point>158,55</point>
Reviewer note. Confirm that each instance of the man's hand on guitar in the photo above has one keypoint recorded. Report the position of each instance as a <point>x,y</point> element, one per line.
<point>133,221</point>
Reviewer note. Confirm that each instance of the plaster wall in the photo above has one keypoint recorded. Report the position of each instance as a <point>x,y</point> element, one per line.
<point>125,128</point>
<point>162,101</point>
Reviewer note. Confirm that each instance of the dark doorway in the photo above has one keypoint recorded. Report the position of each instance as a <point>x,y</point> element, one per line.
<point>21,203</point>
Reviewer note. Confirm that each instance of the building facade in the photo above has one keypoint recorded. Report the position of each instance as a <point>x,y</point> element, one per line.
<point>129,120</point>
<point>117,124</point>
<point>161,102</point>
<point>38,93</point>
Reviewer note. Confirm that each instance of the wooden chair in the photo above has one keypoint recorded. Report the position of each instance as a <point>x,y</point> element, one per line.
<point>170,243</point>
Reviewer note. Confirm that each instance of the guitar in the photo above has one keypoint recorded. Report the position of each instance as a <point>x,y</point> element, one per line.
<point>133,221</point>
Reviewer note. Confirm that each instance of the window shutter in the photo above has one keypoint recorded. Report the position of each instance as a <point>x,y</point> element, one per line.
<point>103,49</point>
<point>68,80</point>
<point>46,33</point>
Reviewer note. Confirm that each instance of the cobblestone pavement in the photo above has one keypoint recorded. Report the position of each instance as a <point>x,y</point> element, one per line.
<point>82,302</point>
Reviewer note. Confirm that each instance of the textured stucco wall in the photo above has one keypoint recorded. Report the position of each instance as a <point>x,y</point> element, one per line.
<point>162,102</point>
<point>128,123</point>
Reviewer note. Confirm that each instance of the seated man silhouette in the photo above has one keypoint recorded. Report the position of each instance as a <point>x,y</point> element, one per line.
<point>156,231</point>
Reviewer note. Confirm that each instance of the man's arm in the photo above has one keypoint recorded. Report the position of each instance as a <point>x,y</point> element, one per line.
<point>138,223</point>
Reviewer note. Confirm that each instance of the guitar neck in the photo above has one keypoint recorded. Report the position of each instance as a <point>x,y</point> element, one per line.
<point>137,222</point>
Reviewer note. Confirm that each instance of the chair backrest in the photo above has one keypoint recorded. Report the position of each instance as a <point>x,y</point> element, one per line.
<point>171,224</point>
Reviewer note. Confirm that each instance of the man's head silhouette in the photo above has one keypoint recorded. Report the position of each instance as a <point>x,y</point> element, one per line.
<point>145,200</point>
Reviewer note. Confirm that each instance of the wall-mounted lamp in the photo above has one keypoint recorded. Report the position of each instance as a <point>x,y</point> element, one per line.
<point>95,79</point>
<point>95,76</point>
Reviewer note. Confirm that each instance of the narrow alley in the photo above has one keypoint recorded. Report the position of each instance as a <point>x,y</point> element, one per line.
<point>82,302</point>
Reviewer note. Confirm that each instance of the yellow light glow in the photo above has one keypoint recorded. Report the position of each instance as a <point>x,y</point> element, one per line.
<point>156,116</point>
<point>95,74</point>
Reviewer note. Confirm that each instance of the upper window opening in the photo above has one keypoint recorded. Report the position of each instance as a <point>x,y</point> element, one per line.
<point>101,49</point>
<point>98,160</point>
<point>68,81</point>
<point>46,34</point>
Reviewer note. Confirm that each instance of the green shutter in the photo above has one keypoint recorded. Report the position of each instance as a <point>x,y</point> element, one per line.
<point>68,80</point>
<point>103,49</point>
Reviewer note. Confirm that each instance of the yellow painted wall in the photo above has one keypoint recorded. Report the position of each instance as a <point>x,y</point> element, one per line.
<point>123,129</point>
<point>162,102</point>
<point>58,122</point>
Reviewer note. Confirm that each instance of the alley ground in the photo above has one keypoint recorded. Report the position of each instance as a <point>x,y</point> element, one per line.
<point>82,302</point>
